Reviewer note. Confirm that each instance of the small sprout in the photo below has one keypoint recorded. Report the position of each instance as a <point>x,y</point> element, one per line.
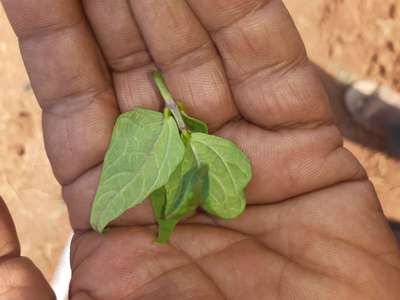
<point>172,159</point>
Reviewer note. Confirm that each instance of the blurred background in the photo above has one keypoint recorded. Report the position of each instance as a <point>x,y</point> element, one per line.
<point>347,40</point>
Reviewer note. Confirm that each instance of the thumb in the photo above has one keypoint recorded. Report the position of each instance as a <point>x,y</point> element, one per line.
<point>19,277</point>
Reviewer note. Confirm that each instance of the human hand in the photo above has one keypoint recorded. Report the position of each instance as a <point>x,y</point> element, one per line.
<point>313,228</point>
<point>19,278</point>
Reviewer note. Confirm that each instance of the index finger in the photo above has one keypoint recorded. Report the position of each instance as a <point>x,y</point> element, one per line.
<point>69,81</point>
<point>273,83</point>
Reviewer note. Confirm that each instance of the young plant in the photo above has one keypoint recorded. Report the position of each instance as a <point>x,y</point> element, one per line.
<point>172,159</point>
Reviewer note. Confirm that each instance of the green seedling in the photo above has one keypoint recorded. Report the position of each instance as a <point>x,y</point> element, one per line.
<point>172,159</point>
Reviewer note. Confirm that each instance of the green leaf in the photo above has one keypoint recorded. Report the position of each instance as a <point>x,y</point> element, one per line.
<point>192,192</point>
<point>165,230</point>
<point>186,189</point>
<point>158,200</point>
<point>229,173</point>
<point>175,181</point>
<point>145,149</point>
<point>193,124</point>
<point>165,227</point>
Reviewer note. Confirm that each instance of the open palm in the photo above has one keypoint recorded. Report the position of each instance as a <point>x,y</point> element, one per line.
<point>313,228</point>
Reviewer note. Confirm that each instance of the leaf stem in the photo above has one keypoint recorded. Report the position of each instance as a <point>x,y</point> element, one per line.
<point>169,101</point>
<point>165,229</point>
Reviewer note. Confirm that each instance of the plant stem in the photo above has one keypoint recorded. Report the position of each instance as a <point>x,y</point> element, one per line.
<point>169,101</point>
<point>165,229</point>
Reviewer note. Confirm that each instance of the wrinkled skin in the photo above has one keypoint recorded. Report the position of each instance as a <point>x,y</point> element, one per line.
<point>313,228</point>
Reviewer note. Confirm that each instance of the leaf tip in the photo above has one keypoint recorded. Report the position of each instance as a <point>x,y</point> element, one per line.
<point>96,226</point>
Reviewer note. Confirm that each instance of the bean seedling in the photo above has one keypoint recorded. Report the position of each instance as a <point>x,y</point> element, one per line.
<point>171,158</point>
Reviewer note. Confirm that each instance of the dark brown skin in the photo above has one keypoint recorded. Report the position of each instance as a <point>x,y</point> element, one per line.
<point>313,228</point>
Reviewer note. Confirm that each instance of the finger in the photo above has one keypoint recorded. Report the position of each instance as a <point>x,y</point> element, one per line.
<point>125,52</point>
<point>69,80</point>
<point>19,278</point>
<point>289,163</point>
<point>182,49</point>
<point>275,87</point>
<point>271,80</point>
